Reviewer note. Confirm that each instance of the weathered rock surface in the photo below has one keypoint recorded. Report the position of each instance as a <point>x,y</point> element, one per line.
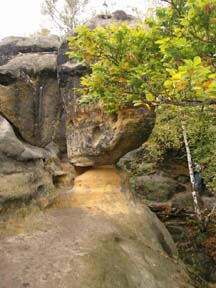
<point>12,147</point>
<point>100,240</point>
<point>22,66</point>
<point>167,182</point>
<point>93,137</point>
<point>22,183</point>
<point>157,187</point>
<point>22,170</point>
<point>29,92</point>
<point>117,17</point>
<point>11,46</point>
<point>135,162</point>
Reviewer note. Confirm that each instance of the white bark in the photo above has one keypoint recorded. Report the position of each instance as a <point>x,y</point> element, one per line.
<point>194,192</point>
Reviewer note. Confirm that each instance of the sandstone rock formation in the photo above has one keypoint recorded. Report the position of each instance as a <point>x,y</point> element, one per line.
<point>22,170</point>
<point>93,137</point>
<point>11,46</point>
<point>12,147</point>
<point>100,239</point>
<point>157,187</point>
<point>117,17</point>
<point>31,118</point>
<point>29,93</point>
<point>103,240</point>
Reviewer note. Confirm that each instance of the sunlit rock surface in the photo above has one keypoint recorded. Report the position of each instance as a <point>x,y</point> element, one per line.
<point>95,138</point>
<point>95,237</point>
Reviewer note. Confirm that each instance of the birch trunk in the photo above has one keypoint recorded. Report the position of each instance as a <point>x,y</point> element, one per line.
<point>194,192</point>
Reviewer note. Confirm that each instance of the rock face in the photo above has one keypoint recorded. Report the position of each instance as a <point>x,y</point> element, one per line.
<point>164,183</point>
<point>33,116</point>
<point>22,170</point>
<point>100,239</point>
<point>12,147</point>
<point>103,239</point>
<point>93,137</point>
<point>118,17</point>
<point>31,111</point>
<point>157,188</point>
<point>11,46</point>
<point>29,93</point>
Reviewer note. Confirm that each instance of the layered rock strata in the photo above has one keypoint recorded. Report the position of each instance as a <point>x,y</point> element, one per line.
<point>31,118</point>
<point>22,170</point>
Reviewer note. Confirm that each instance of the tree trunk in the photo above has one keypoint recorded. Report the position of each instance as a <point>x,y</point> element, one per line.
<point>194,192</point>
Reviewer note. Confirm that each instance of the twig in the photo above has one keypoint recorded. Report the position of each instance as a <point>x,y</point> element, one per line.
<point>207,218</point>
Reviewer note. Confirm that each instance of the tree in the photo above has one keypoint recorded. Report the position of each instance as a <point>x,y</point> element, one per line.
<point>171,63</point>
<point>41,32</point>
<point>66,18</point>
<point>121,74</point>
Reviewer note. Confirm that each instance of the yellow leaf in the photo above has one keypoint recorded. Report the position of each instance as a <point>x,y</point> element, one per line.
<point>168,83</point>
<point>148,107</point>
<point>197,60</point>
<point>137,103</point>
<point>171,71</point>
<point>154,104</point>
<point>84,81</point>
<point>212,76</point>
<point>149,96</point>
<point>178,75</point>
<point>125,66</point>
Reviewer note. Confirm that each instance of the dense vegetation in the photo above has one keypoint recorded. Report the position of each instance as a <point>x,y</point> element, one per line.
<point>167,63</point>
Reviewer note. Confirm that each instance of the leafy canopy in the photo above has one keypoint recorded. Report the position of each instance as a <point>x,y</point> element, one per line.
<point>170,59</point>
<point>122,59</point>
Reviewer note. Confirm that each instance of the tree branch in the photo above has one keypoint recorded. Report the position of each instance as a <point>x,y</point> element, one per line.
<point>191,103</point>
<point>208,217</point>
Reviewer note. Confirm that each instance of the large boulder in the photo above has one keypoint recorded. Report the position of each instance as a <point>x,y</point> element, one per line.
<point>29,92</point>
<point>11,46</point>
<point>23,183</point>
<point>117,17</point>
<point>93,136</point>
<point>156,187</point>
